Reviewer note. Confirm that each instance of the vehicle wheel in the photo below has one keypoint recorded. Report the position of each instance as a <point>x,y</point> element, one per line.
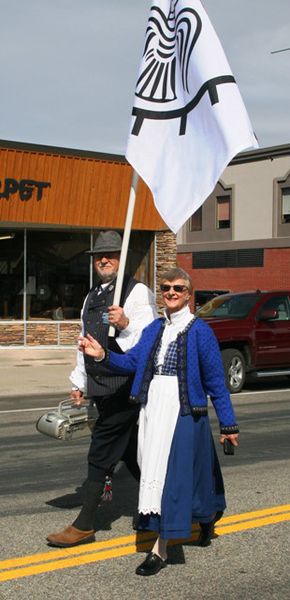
<point>235,369</point>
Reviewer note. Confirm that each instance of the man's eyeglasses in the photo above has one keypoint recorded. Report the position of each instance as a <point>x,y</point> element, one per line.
<point>177,288</point>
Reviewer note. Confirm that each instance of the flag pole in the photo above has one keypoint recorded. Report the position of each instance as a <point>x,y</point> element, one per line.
<point>125,244</point>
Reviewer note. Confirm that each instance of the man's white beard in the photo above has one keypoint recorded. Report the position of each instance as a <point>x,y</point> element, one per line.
<point>106,278</point>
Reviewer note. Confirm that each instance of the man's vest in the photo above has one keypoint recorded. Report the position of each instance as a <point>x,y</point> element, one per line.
<point>101,381</point>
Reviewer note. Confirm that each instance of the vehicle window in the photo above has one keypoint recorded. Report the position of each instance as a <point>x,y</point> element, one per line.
<point>280,304</point>
<point>235,306</point>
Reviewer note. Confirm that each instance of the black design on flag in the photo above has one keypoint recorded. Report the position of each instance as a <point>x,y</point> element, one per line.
<point>168,39</point>
<point>169,45</point>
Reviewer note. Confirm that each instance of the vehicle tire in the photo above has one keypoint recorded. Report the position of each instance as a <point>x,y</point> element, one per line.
<point>235,369</point>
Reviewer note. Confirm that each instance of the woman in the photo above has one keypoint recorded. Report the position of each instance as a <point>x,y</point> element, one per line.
<point>177,364</point>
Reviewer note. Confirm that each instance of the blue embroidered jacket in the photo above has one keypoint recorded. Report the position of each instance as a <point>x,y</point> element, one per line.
<point>200,370</point>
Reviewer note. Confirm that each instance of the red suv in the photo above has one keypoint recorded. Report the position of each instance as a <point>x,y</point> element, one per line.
<point>253,331</point>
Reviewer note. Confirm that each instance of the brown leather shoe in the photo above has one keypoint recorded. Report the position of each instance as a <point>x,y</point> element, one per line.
<point>71,536</point>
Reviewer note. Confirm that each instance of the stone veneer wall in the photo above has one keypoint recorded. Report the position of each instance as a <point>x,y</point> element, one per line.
<point>166,255</point>
<point>44,333</point>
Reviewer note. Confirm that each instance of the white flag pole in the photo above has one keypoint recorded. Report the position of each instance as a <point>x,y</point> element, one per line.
<point>125,244</point>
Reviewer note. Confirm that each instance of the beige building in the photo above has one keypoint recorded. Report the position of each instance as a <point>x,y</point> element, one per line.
<point>240,238</point>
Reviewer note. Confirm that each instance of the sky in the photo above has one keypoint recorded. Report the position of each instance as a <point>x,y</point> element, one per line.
<point>68,68</point>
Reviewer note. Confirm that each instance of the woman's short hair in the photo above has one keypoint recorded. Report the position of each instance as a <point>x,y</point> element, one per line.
<point>177,273</point>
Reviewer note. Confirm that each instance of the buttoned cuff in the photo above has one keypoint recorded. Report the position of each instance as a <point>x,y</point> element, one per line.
<point>229,429</point>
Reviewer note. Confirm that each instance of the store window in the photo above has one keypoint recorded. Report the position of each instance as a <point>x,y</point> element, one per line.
<point>47,274</point>
<point>223,212</point>
<point>44,275</point>
<point>12,274</point>
<point>57,274</point>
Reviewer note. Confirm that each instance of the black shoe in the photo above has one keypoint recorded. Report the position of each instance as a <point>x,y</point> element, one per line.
<point>151,565</point>
<point>205,535</point>
<point>207,530</point>
<point>218,515</point>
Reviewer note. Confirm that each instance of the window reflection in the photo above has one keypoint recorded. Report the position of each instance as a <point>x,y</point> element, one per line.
<point>12,274</point>
<point>195,222</point>
<point>57,274</point>
<point>56,271</point>
<point>286,205</point>
<point>223,212</point>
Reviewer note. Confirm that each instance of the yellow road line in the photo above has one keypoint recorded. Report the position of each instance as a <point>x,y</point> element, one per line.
<point>253,524</point>
<point>83,549</point>
<point>72,562</point>
<point>125,540</point>
<point>98,551</point>
<point>256,513</point>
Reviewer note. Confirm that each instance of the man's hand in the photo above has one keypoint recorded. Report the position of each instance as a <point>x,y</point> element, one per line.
<point>91,347</point>
<point>77,397</point>
<point>117,317</point>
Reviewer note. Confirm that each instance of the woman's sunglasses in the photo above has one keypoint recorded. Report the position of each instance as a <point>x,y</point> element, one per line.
<point>177,288</point>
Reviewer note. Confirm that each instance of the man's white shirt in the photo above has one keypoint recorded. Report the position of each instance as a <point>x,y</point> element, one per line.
<point>140,309</point>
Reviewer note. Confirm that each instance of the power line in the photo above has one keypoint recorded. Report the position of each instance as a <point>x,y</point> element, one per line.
<point>282,50</point>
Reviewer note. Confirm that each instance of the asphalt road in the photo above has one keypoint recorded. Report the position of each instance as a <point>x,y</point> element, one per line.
<point>249,559</point>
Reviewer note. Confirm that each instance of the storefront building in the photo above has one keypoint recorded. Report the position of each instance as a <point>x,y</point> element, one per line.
<point>53,202</point>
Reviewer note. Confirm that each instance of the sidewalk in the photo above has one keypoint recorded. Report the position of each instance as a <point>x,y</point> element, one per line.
<point>31,371</point>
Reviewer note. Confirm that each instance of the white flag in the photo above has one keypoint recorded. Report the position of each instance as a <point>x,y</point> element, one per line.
<point>189,119</point>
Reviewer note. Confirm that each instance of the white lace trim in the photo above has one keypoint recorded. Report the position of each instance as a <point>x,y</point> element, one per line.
<point>149,489</point>
<point>149,511</point>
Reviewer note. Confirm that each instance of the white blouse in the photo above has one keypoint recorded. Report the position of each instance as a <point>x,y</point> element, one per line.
<point>175,323</point>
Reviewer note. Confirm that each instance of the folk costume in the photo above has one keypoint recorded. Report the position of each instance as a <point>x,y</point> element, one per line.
<point>177,364</point>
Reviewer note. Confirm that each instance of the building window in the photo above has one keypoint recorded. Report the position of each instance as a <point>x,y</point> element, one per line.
<point>57,274</point>
<point>213,221</point>
<point>281,222</point>
<point>195,222</point>
<point>285,217</point>
<point>44,274</point>
<point>12,274</point>
<point>223,220</point>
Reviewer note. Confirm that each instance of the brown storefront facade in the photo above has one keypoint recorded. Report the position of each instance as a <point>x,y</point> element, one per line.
<point>53,202</point>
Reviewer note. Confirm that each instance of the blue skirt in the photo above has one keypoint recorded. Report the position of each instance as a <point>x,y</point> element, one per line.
<point>193,489</point>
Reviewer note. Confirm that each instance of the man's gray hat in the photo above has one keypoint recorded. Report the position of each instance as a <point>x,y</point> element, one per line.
<point>107,241</point>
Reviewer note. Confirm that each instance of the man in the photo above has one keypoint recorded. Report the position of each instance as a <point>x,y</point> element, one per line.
<point>114,436</point>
